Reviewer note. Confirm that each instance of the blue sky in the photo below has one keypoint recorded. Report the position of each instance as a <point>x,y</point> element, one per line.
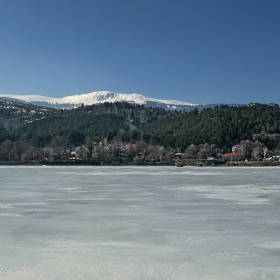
<point>199,51</point>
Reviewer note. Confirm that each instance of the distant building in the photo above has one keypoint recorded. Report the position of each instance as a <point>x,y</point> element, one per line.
<point>179,155</point>
<point>232,157</point>
<point>273,158</point>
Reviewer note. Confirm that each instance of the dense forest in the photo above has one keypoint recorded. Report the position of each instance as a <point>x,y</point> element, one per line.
<point>76,128</point>
<point>222,125</point>
<point>131,133</point>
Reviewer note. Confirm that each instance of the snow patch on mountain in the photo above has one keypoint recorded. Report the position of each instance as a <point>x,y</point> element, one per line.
<point>96,98</point>
<point>29,98</point>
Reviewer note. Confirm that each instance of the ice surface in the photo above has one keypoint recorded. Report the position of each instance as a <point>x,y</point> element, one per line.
<point>139,223</point>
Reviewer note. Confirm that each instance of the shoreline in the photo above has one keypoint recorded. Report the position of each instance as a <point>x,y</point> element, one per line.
<point>173,164</point>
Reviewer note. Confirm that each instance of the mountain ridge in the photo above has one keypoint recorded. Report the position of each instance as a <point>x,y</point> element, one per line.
<point>98,97</point>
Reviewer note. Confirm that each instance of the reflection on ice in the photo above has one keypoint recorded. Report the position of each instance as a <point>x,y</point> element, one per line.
<point>139,223</point>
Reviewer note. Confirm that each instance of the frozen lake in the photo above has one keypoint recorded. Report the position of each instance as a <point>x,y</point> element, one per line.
<point>139,223</point>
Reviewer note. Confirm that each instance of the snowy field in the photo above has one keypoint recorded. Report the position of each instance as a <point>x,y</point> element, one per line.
<point>139,223</point>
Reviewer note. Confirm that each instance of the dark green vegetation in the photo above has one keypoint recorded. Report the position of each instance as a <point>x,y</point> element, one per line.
<point>221,125</point>
<point>3,134</point>
<point>106,129</point>
<point>76,128</point>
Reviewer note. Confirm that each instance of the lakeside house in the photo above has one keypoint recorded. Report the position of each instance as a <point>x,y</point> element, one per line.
<point>232,157</point>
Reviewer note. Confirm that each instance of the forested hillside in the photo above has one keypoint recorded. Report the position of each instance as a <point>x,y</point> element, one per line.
<point>74,127</point>
<point>221,125</point>
<point>128,133</point>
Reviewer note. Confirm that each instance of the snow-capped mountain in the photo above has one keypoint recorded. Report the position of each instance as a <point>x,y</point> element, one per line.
<point>98,97</point>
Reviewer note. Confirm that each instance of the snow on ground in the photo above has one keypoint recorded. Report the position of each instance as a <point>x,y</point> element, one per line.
<point>139,223</point>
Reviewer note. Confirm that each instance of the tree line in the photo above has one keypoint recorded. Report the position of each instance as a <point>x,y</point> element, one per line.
<point>107,138</point>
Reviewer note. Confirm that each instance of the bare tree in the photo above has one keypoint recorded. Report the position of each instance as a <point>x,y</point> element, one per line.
<point>59,145</point>
<point>265,151</point>
<point>256,152</point>
<point>245,148</point>
<point>202,153</point>
<point>192,150</point>
<point>7,147</point>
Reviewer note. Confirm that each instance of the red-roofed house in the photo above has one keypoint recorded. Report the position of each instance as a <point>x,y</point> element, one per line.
<point>232,156</point>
